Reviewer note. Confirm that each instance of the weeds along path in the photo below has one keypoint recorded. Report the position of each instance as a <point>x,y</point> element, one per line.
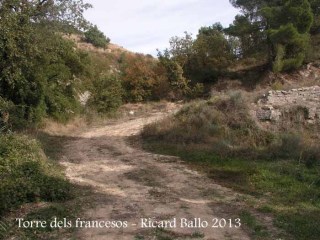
<point>130,184</point>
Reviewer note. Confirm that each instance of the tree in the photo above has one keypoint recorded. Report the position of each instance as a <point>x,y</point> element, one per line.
<point>200,60</point>
<point>138,77</point>
<point>37,66</point>
<point>252,40</point>
<point>181,49</point>
<point>315,6</point>
<point>288,30</point>
<point>212,54</point>
<point>63,12</point>
<point>97,38</point>
<point>174,74</point>
<point>107,94</point>
<point>279,27</point>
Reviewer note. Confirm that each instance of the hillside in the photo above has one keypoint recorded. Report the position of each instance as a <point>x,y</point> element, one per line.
<point>216,138</point>
<point>263,146</point>
<point>111,48</point>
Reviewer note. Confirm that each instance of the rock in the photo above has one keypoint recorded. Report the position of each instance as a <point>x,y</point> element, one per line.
<point>268,115</point>
<point>275,102</point>
<point>84,97</point>
<point>263,115</point>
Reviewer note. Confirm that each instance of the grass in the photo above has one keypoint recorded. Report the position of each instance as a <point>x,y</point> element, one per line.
<point>280,183</point>
<point>27,175</point>
<point>52,145</point>
<point>164,234</point>
<point>49,214</point>
<point>35,188</point>
<point>251,222</point>
<point>280,171</point>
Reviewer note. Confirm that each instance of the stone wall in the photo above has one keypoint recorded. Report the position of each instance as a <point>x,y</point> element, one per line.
<point>273,105</point>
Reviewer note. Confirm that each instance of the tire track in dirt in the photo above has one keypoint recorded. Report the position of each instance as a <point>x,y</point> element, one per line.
<point>130,184</point>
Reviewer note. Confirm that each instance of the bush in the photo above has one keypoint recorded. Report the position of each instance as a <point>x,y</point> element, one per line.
<point>224,119</point>
<point>40,78</point>
<point>290,147</point>
<point>220,138</point>
<point>96,37</point>
<point>62,105</point>
<point>4,115</point>
<point>196,91</point>
<point>139,77</point>
<point>314,49</point>
<point>107,94</point>
<point>12,116</point>
<point>311,157</point>
<point>26,176</point>
<point>224,126</point>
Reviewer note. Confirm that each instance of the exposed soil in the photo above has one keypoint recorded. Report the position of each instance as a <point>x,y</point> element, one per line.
<point>130,183</point>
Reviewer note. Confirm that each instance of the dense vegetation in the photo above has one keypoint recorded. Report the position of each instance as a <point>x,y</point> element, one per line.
<point>42,71</point>
<point>146,79</point>
<point>280,170</point>
<point>39,68</point>
<point>276,35</point>
<point>26,175</point>
<point>42,74</point>
<point>96,37</point>
<point>39,75</point>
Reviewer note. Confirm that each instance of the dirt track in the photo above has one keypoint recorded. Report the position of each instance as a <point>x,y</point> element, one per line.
<point>130,184</point>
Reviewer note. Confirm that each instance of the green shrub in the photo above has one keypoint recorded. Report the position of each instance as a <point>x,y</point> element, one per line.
<point>47,214</point>
<point>220,121</point>
<point>96,37</point>
<point>107,94</point>
<point>4,110</point>
<point>314,49</point>
<point>139,77</point>
<point>290,146</point>
<point>62,105</point>
<point>39,77</point>
<point>302,224</point>
<point>311,157</point>
<point>281,170</point>
<point>196,91</point>
<point>25,174</point>
<point>16,116</point>
<point>224,125</point>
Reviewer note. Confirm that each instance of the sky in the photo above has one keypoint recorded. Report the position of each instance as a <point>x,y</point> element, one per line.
<point>146,25</point>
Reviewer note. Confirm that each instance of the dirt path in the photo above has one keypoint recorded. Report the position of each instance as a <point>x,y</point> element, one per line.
<point>130,184</point>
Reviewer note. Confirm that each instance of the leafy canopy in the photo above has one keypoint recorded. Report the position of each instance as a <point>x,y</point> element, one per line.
<point>94,36</point>
<point>38,67</point>
<point>277,28</point>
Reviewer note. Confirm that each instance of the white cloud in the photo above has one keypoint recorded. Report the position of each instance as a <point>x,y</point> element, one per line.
<point>145,25</point>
